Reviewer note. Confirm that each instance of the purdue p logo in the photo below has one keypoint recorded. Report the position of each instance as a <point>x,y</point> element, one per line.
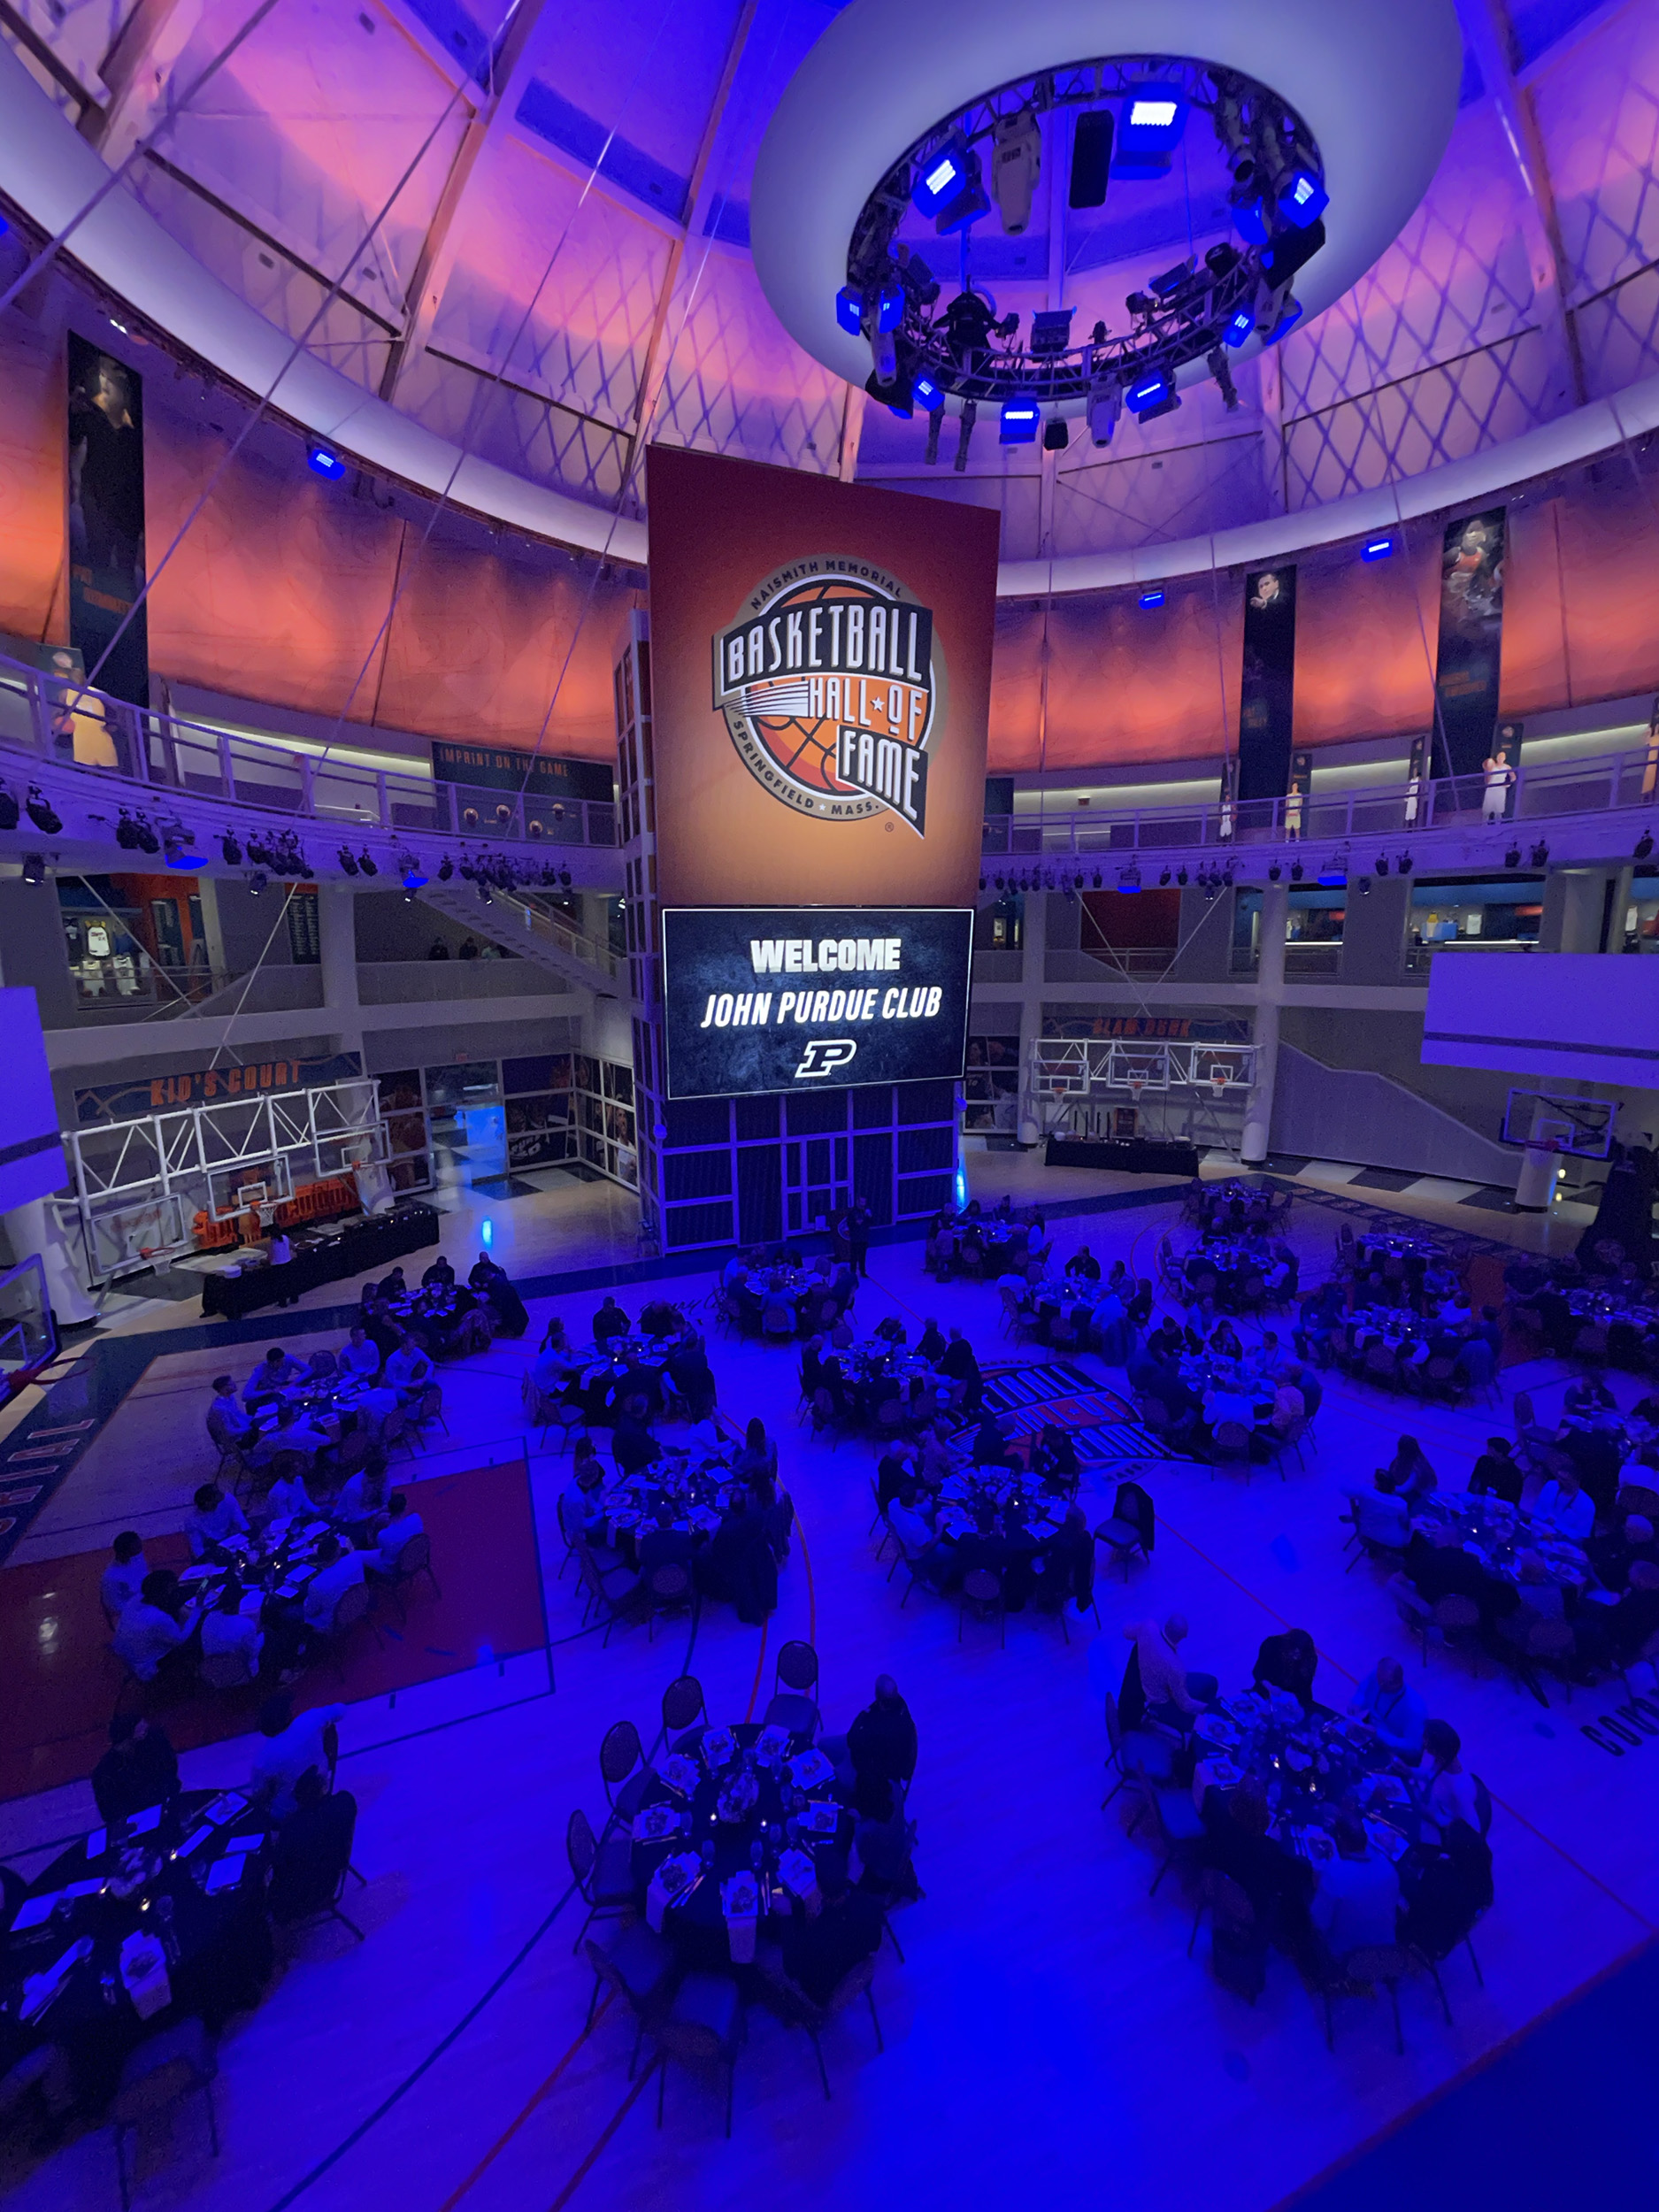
<point>827,685</point>
<point>824,1056</point>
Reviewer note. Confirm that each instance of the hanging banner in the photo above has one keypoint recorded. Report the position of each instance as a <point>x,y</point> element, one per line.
<point>1471,628</point>
<point>820,673</point>
<point>103,1103</point>
<point>106,519</point>
<point>1265,698</point>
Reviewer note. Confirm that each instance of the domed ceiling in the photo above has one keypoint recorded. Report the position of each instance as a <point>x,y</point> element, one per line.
<point>535,222</point>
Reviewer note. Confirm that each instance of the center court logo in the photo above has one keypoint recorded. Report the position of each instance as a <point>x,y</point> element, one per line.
<point>828,687</point>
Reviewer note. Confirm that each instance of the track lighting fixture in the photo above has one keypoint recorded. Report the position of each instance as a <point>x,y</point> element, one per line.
<point>348,860</point>
<point>231,849</point>
<point>44,815</point>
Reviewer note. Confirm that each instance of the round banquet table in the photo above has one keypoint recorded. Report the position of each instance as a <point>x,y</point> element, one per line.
<point>696,1920</point>
<point>218,1948</point>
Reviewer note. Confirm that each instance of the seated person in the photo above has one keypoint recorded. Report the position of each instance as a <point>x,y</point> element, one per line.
<point>338,1571</point>
<point>1393,1708</point>
<point>361,1504</point>
<point>1563,1506</point>
<point>399,1530</point>
<point>930,1345</point>
<point>1496,1473</point>
<point>609,1321</point>
<point>359,1355</point>
<point>1452,1889</point>
<point>215,1520</point>
<point>312,1844</point>
<point>555,1363</point>
<point>1539,1596</point>
<point>227,1633</point>
<point>409,1370</point>
<point>140,1769</point>
<point>227,1424</point>
<point>1237,1844</point>
<point>294,1432</point>
<point>1450,1792</point>
<point>1163,1679</point>
<point>738,1564</point>
<point>662,1544</point>
<point>1589,1394</point>
<point>689,1371</point>
<point>1356,1894</point>
<point>275,1373</point>
<point>1287,1662</point>
<point>1054,1460</point>
<point>958,1362</point>
<point>291,1748</point>
<point>122,1579</point>
<point>632,1444</point>
<point>991,1448</point>
<point>156,1631</point>
<point>1289,1408</point>
<point>441,1273</point>
<point>580,1510</point>
<point>1414,1477</point>
<point>496,1287</point>
<point>287,1495</point>
<point>819,1953</point>
<point>1083,1262</point>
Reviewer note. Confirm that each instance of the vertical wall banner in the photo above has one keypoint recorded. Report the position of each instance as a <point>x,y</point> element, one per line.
<point>1266,694</point>
<point>821,674</point>
<point>1471,630</point>
<point>106,518</point>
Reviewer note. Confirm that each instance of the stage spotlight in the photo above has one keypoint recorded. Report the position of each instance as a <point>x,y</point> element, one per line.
<point>1250,217</point>
<point>327,462</point>
<point>1016,163</point>
<point>9,809</point>
<point>177,849</point>
<point>33,867</point>
<point>969,204</point>
<point>884,360</point>
<point>1150,599</point>
<point>1289,251</point>
<point>1365,887</point>
<point>1091,157</point>
<point>1151,390</point>
<point>1512,858</point>
<point>1403,866</point>
<point>365,861</point>
<point>257,882</point>
<point>126,831</point>
<point>348,860</point>
<point>1273,871</point>
<point>1077,880</point>
<point>1097,879</point>
<point>926,394</point>
<point>1302,198</point>
<point>1129,879</point>
<point>148,840</point>
<point>1105,406</point>
<point>229,845</point>
<point>1238,325</point>
<point>1376,549</point>
<point>413,877</point>
<point>44,815</point>
<point>849,311</point>
<point>983,885</point>
<point>1148,130</point>
<point>1381,868</point>
<point>965,432</point>
<point>1216,362</point>
<point>889,307</point>
<point>1334,875</point>
<point>997,882</point>
<point>1644,845</point>
<point>1019,421</point>
<point>1541,855</point>
<point>564,878</point>
<point>1164,877</point>
<point>1295,872</point>
<point>1056,435</point>
<point>942,176</point>
<point>1180,877</point>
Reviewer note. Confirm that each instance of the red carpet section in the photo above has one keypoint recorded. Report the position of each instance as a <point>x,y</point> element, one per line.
<point>61,1679</point>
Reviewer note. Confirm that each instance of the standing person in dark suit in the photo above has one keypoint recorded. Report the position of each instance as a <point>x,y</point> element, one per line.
<point>961,1365</point>
<point>311,1847</point>
<point>881,1742</point>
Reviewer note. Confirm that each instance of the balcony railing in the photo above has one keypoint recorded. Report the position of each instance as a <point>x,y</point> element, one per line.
<point>1107,835</point>
<point>65,725</point>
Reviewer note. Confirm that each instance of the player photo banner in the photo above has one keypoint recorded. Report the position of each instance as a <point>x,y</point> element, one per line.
<point>827,688</point>
<point>1472,637</point>
<point>821,663</point>
<point>1266,698</point>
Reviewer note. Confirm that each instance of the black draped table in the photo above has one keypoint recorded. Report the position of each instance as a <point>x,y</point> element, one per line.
<point>375,1242</point>
<point>1138,1155</point>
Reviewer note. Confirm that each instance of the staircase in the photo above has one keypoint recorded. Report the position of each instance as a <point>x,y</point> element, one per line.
<point>548,939</point>
<point>1329,1113</point>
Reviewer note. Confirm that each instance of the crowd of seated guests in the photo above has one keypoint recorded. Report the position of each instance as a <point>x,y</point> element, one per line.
<point>1548,1300</point>
<point>756,1294</point>
<point>1049,1570</point>
<point>899,1404</point>
<point>1265,1392</point>
<point>675,1379</point>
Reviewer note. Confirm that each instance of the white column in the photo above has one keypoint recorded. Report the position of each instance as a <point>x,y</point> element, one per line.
<point>337,932</point>
<point>1033,963</point>
<point>1270,996</point>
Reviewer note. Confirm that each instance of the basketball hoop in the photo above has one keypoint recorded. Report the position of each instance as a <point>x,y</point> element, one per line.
<point>1137,1084</point>
<point>1217,1082</point>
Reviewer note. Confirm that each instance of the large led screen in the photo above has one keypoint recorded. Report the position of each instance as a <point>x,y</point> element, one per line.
<point>795,998</point>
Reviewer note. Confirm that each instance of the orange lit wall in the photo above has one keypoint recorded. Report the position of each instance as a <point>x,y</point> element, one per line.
<point>281,587</point>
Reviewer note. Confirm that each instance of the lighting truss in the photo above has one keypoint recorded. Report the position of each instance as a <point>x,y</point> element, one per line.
<point>1267,149</point>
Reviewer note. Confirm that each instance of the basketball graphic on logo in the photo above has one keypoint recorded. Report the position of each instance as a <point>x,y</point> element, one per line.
<point>827,681</point>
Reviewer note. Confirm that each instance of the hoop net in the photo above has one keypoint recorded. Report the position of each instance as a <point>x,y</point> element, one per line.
<point>1217,1083</point>
<point>1137,1084</point>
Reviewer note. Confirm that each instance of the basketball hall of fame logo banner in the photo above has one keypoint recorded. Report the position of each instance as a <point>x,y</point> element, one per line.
<point>827,682</point>
<point>820,687</point>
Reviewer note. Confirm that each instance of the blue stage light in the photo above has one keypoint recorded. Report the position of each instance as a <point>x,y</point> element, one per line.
<point>1152,598</point>
<point>1376,549</point>
<point>926,394</point>
<point>849,311</point>
<point>1153,117</point>
<point>1149,391</point>
<point>1302,198</point>
<point>1333,877</point>
<point>890,307</point>
<point>1289,315</point>
<point>327,462</point>
<point>1239,326</point>
<point>1250,222</point>
<point>1020,418</point>
<point>941,177</point>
